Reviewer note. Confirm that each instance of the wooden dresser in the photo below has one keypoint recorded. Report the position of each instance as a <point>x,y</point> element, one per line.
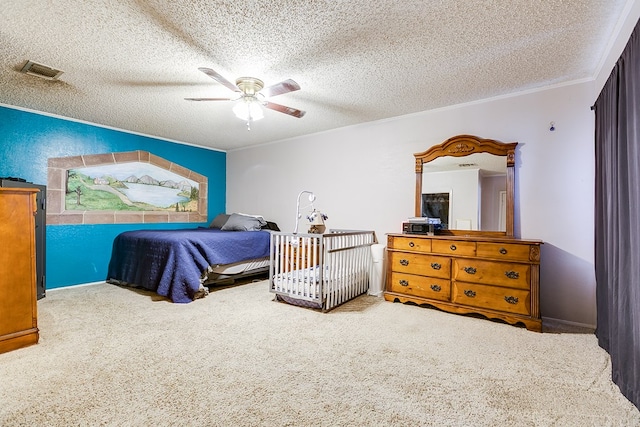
<point>495,277</point>
<point>18,308</point>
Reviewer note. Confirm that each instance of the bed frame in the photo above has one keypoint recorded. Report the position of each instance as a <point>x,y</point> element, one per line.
<point>320,270</point>
<point>228,274</point>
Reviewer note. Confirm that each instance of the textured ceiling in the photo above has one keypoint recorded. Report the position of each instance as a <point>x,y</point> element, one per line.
<point>129,64</point>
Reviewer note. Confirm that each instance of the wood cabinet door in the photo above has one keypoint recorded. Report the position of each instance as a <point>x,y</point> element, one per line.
<point>17,262</point>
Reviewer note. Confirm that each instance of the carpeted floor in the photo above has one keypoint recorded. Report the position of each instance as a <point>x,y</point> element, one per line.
<point>112,356</point>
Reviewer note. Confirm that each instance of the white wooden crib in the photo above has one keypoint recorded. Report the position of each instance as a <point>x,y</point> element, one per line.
<point>320,270</point>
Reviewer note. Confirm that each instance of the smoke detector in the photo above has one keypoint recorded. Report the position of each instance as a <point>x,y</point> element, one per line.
<point>40,70</point>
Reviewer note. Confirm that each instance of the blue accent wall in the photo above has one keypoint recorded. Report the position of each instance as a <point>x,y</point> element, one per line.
<point>77,254</point>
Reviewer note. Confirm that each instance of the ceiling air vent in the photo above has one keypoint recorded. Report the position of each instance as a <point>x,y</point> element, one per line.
<point>39,70</point>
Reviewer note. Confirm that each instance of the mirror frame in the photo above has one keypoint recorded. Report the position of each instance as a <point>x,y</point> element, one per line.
<point>464,145</point>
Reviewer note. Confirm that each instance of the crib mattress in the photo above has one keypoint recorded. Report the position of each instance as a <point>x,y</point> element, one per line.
<point>303,286</point>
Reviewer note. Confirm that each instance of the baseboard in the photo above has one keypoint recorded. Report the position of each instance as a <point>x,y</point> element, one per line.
<point>75,286</point>
<point>566,324</point>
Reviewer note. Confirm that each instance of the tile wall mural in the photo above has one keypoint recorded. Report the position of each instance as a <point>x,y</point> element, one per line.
<point>125,187</point>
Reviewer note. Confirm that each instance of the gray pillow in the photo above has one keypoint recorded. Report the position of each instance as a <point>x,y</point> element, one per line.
<point>238,222</point>
<point>219,221</point>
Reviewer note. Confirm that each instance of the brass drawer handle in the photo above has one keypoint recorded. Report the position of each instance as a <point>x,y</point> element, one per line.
<point>411,244</point>
<point>469,293</point>
<point>512,274</point>
<point>469,270</point>
<point>436,288</point>
<point>404,262</point>
<point>503,251</point>
<point>453,247</point>
<point>436,266</point>
<point>511,300</point>
<point>404,282</point>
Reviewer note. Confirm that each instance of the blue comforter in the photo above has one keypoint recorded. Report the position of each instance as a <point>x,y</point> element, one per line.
<point>171,262</point>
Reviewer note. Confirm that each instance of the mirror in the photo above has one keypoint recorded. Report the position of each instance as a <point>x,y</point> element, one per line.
<point>467,183</point>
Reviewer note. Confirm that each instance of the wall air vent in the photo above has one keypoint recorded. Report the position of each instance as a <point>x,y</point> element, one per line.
<point>39,70</point>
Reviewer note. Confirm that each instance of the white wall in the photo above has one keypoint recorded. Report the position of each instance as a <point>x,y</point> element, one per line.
<point>364,175</point>
<point>364,178</point>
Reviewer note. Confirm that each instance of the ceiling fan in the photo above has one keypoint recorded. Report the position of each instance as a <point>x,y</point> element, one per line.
<point>251,95</point>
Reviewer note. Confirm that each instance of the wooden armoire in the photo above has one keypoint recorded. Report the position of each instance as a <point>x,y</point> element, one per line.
<point>18,299</point>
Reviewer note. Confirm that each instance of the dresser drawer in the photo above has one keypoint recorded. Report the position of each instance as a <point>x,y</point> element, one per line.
<point>492,297</point>
<point>424,265</point>
<point>506,274</point>
<point>506,251</point>
<point>420,286</point>
<point>409,243</point>
<point>453,247</point>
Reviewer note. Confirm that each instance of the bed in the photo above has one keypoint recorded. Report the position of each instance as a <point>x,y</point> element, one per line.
<point>181,264</point>
<point>320,271</point>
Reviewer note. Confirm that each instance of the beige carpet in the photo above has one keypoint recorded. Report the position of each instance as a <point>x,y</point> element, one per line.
<point>111,356</point>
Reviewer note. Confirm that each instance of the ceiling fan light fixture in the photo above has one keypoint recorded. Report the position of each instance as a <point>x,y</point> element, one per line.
<point>248,108</point>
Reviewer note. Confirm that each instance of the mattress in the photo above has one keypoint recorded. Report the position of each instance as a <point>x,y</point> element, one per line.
<point>240,266</point>
<point>173,262</point>
<point>305,283</point>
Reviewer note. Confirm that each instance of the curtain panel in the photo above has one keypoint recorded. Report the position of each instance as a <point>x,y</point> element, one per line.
<point>617,219</point>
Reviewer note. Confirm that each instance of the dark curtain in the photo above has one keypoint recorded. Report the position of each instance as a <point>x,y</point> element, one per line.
<point>617,219</point>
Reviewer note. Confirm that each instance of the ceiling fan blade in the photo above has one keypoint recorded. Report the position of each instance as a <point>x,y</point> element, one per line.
<point>287,110</point>
<point>208,99</point>
<point>280,88</point>
<point>217,77</point>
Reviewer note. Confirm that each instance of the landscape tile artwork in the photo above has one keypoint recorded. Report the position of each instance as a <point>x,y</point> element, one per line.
<point>129,186</point>
<point>123,187</point>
